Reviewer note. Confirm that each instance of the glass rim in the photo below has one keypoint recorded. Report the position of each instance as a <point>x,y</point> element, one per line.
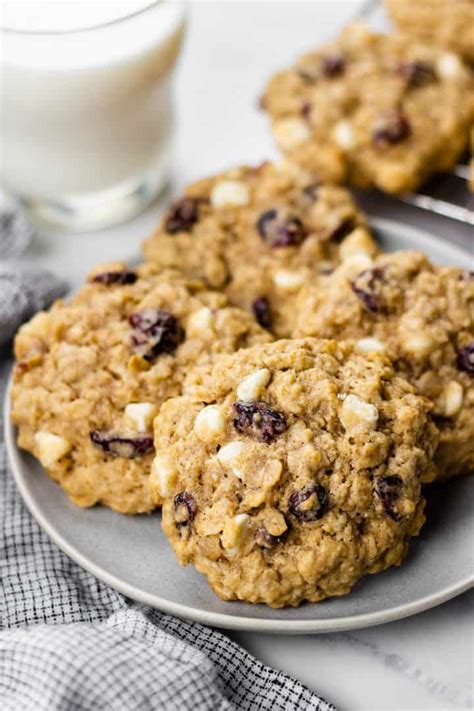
<point>52,33</point>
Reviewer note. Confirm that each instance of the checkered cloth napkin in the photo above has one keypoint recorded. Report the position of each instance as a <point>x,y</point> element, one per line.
<point>70,643</point>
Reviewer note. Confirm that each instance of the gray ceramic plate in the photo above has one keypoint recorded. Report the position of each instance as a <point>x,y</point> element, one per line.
<point>132,555</point>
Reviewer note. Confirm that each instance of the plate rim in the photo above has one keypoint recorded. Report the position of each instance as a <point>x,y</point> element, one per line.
<point>217,619</point>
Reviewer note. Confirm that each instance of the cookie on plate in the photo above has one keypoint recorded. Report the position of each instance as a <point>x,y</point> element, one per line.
<point>373,110</point>
<point>259,233</point>
<point>91,373</point>
<point>448,24</point>
<point>422,317</point>
<point>294,471</point>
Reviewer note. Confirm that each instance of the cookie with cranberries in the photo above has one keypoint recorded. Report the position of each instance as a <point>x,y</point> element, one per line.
<point>375,110</point>
<point>422,317</point>
<point>91,374</point>
<point>293,471</point>
<point>258,233</point>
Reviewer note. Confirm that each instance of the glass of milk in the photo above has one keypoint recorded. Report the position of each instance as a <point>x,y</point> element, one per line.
<point>86,110</point>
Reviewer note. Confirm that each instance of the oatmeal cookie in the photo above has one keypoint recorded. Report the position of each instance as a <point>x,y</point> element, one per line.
<point>90,375</point>
<point>294,471</point>
<point>259,234</point>
<point>373,110</point>
<point>448,24</point>
<point>422,317</point>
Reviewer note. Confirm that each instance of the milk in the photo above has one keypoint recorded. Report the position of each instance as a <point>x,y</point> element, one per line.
<point>86,106</point>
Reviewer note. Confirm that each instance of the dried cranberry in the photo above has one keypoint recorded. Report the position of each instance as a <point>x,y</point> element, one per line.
<point>365,287</point>
<point>465,360</point>
<point>122,277</point>
<point>416,73</point>
<point>121,446</point>
<point>262,312</point>
<point>321,501</point>
<point>388,489</point>
<point>258,420</point>
<point>264,539</point>
<point>155,331</point>
<point>390,128</point>
<point>182,215</point>
<point>333,65</point>
<point>279,228</point>
<point>185,508</point>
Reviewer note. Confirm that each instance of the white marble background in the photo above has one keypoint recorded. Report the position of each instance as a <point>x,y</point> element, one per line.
<point>425,662</point>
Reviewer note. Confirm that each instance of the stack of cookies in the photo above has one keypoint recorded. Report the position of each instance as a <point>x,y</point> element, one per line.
<point>280,387</point>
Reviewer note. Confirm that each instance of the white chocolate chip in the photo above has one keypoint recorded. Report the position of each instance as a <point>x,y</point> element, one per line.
<point>291,132</point>
<point>50,447</point>
<point>357,243</point>
<point>230,193</point>
<point>287,280</point>
<point>419,345</point>
<point>141,415</point>
<point>209,423</point>
<point>199,321</point>
<point>229,454</point>
<point>163,474</point>
<point>449,65</point>
<point>251,387</point>
<point>343,134</point>
<point>453,397</point>
<point>235,533</point>
<point>356,412</point>
<point>369,345</point>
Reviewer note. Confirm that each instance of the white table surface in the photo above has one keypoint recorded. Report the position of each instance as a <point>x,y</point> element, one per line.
<point>425,662</point>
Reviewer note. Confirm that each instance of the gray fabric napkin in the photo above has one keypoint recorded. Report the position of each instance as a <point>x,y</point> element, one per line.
<point>23,291</point>
<point>70,643</point>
